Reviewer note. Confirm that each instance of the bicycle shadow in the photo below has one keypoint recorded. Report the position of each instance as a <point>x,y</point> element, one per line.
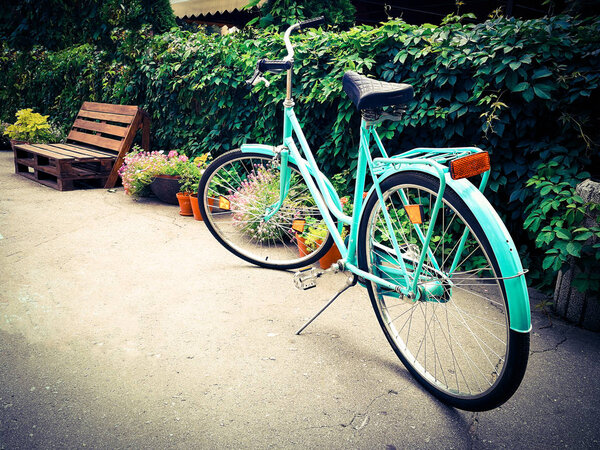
<point>342,342</point>
<point>353,352</point>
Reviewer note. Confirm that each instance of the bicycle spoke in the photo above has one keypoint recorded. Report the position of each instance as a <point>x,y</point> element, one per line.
<point>257,224</point>
<point>458,325</point>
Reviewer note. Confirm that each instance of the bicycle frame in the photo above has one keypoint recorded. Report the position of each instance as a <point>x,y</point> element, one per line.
<point>329,204</point>
<point>428,160</point>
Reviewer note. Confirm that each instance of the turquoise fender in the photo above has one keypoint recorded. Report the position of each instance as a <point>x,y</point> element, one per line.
<point>504,248</point>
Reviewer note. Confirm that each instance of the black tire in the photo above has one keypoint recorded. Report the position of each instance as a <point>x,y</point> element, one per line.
<point>241,228</point>
<point>475,362</point>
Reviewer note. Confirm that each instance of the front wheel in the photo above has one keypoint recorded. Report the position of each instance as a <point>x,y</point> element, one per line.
<point>454,337</point>
<point>240,205</point>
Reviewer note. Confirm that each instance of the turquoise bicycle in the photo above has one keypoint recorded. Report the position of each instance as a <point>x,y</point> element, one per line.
<point>440,267</point>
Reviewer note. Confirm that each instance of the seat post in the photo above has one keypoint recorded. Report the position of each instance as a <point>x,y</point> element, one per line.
<point>289,102</point>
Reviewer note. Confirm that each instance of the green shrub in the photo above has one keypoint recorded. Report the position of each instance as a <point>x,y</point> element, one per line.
<point>286,12</point>
<point>32,127</point>
<point>556,222</point>
<point>519,89</point>
<point>57,24</point>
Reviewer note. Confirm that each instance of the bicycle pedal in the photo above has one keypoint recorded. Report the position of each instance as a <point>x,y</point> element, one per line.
<point>306,278</point>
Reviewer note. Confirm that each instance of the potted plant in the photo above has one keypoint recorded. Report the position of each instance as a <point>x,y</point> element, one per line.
<point>190,172</point>
<point>190,178</point>
<point>251,199</point>
<point>310,223</point>
<point>139,170</point>
<point>315,232</point>
<point>31,127</point>
<point>167,183</point>
<point>153,172</point>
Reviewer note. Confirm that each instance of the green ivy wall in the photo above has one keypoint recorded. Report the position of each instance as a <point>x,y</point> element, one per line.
<point>527,91</point>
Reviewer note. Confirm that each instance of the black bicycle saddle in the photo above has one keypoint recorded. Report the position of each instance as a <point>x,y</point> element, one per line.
<point>368,93</point>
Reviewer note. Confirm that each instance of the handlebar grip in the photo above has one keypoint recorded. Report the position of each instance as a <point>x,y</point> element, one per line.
<point>265,65</point>
<point>310,23</point>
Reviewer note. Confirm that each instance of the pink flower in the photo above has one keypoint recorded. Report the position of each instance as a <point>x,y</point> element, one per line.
<point>172,154</point>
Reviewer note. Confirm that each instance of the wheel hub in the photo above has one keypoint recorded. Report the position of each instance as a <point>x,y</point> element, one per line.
<point>436,291</point>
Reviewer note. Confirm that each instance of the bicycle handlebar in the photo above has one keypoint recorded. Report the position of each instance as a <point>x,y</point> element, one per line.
<point>277,65</point>
<point>311,22</point>
<point>264,65</point>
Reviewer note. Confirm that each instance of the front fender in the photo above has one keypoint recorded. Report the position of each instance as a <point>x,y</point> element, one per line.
<point>502,244</point>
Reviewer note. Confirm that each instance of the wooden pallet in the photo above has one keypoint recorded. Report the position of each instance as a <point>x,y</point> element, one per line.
<point>96,145</point>
<point>63,166</point>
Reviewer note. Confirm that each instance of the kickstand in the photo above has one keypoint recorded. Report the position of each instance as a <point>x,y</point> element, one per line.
<point>350,281</point>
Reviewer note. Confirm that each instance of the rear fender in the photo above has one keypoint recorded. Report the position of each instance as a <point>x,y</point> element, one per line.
<point>499,237</point>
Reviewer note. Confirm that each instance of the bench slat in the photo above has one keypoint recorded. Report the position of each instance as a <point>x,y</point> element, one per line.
<point>62,150</point>
<point>38,149</point>
<point>94,139</point>
<point>108,108</point>
<point>92,151</point>
<point>80,152</point>
<point>105,116</point>
<point>53,151</point>
<point>113,130</point>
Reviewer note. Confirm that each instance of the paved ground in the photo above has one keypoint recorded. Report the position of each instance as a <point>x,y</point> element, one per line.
<point>124,325</point>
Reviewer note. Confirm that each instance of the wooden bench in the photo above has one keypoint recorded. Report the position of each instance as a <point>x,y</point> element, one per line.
<point>100,137</point>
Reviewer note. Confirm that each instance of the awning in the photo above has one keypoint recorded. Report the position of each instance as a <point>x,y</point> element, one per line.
<point>189,8</point>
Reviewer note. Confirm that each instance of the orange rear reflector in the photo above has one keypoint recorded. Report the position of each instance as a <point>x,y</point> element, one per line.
<point>298,225</point>
<point>470,165</point>
<point>415,213</point>
<point>224,203</point>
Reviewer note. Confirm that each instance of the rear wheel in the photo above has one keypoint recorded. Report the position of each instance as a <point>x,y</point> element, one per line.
<point>455,336</point>
<point>239,193</point>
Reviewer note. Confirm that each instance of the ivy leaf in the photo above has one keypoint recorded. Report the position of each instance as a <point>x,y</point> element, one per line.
<point>532,223</point>
<point>462,97</point>
<point>584,236</point>
<point>543,238</point>
<point>454,107</point>
<point>515,195</point>
<point>542,91</point>
<point>520,87</point>
<point>548,261</point>
<point>574,249</point>
<point>541,73</point>
<point>528,94</point>
<point>563,234</point>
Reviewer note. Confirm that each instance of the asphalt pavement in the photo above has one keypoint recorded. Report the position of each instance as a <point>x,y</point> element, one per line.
<point>126,325</point>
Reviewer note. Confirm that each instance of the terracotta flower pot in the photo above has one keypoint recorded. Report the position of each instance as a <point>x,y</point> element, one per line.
<point>302,251</point>
<point>185,207</point>
<point>195,206</point>
<point>332,256</point>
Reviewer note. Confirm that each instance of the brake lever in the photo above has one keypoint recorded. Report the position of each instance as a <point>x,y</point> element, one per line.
<point>256,78</point>
<point>252,81</point>
<point>259,79</point>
